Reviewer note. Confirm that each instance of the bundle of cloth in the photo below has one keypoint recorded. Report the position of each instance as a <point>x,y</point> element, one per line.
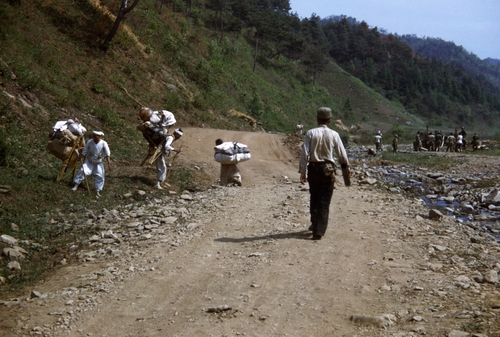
<point>63,137</point>
<point>231,153</point>
<point>155,125</point>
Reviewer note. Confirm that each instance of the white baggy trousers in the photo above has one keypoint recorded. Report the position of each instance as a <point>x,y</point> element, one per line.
<point>97,170</point>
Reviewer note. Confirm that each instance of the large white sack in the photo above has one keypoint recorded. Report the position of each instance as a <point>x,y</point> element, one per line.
<point>231,158</point>
<point>168,119</point>
<point>231,148</point>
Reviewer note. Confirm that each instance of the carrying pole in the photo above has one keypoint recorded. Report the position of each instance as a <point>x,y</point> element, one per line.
<point>66,161</point>
<point>85,176</point>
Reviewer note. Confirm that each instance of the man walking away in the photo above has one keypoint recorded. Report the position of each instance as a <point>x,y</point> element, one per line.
<point>317,168</point>
<point>94,152</point>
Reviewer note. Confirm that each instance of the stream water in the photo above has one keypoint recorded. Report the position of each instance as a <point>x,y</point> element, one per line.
<point>481,217</point>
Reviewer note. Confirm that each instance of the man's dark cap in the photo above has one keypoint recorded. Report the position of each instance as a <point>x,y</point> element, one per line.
<point>324,113</point>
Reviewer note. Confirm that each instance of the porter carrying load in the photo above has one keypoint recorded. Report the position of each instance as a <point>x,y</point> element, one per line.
<point>66,142</point>
<point>228,154</point>
<point>154,127</point>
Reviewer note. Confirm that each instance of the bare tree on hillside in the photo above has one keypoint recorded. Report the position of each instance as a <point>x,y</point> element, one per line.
<point>121,14</point>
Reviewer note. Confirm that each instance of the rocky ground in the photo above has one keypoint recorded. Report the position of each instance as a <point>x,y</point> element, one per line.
<point>238,261</point>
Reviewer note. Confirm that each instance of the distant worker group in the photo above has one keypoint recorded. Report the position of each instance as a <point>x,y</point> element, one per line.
<point>454,142</point>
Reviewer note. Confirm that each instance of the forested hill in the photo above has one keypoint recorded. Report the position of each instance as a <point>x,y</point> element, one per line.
<point>431,87</point>
<point>449,52</point>
<point>492,61</point>
<point>205,58</point>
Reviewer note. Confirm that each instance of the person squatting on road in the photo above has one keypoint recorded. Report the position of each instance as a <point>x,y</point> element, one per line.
<point>317,168</point>
<point>161,167</point>
<point>94,152</point>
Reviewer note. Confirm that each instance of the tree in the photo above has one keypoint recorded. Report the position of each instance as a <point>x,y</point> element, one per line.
<point>219,6</point>
<point>315,60</point>
<point>121,14</point>
<point>347,109</point>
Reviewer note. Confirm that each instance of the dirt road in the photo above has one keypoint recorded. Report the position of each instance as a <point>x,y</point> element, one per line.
<point>238,261</point>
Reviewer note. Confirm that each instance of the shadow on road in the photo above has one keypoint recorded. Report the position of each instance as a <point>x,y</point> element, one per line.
<point>302,235</point>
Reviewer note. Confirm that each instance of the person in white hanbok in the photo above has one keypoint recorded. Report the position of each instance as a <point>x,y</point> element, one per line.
<point>94,153</point>
<point>161,167</point>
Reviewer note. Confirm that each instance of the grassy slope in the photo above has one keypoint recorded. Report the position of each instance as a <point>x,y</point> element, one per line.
<point>166,63</point>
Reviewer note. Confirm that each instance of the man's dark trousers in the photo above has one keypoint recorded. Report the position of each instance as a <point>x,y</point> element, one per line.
<point>321,190</point>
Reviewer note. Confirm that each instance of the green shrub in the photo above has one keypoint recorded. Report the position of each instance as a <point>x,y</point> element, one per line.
<point>182,177</point>
<point>365,138</point>
<point>98,88</point>
<point>345,137</point>
<point>422,159</point>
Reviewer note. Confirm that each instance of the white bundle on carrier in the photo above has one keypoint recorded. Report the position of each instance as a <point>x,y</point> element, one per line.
<point>164,118</point>
<point>231,153</point>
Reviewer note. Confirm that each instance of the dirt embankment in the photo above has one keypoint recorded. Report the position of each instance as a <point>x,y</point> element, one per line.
<point>238,261</point>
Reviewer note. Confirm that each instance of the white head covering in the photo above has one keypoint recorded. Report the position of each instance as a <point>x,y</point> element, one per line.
<point>99,133</point>
<point>178,131</point>
<point>70,121</point>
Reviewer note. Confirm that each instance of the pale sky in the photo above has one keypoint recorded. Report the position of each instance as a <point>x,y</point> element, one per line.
<point>472,24</point>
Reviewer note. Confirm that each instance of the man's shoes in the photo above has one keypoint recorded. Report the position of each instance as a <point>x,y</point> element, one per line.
<point>316,237</point>
<point>97,195</point>
<point>75,188</point>
<point>311,228</point>
<point>158,186</point>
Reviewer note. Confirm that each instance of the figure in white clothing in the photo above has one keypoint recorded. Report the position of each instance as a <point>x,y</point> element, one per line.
<point>378,141</point>
<point>155,125</point>
<point>299,128</point>
<point>94,153</point>
<point>161,167</point>
<point>66,141</point>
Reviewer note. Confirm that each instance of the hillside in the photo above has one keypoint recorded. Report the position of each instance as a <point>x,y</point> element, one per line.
<point>197,259</point>
<point>449,52</point>
<point>55,63</point>
<point>492,61</point>
<point>53,68</point>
